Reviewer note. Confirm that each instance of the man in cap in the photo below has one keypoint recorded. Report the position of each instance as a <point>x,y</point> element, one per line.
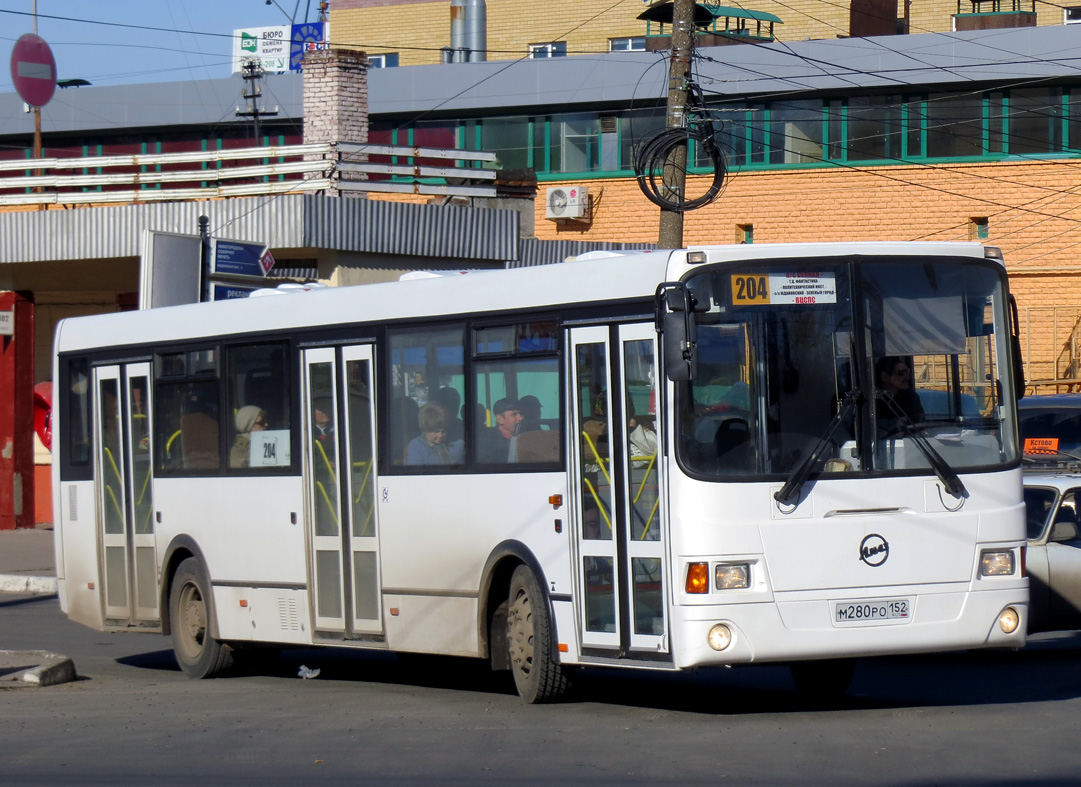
<point>495,442</point>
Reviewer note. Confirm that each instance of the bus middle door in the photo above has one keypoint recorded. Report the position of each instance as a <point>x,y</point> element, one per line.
<point>342,521</point>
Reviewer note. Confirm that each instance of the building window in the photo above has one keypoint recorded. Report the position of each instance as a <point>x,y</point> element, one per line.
<point>744,233</point>
<point>632,44</point>
<point>389,60</point>
<point>1071,15</point>
<point>552,49</point>
<point>978,228</point>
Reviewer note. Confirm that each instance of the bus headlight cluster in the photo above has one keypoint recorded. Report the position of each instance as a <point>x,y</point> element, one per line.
<point>732,576</point>
<point>719,637</point>
<point>996,562</point>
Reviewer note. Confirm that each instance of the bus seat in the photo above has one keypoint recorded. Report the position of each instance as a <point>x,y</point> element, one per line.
<point>199,442</point>
<point>538,446</point>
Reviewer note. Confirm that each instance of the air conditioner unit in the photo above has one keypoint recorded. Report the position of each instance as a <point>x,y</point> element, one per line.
<point>567,202</point>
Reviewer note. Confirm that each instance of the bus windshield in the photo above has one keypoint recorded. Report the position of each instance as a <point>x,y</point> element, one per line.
<point>859,366</point>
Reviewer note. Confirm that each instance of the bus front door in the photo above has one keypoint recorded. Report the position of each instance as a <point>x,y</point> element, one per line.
<point>125,487</point>
<point>616,477</point>
<point>343,535</point>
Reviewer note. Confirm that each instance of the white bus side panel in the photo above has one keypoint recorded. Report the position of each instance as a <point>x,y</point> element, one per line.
<point>77,536</point>
<point>263,614</point>
<point>244,529</point>
<point>438,532</point>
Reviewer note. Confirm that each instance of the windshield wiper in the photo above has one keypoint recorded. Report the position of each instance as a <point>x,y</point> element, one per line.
<point>791,489</point>
<point>945,473</point>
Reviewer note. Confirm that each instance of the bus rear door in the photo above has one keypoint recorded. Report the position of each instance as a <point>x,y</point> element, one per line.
<point>125,488</point>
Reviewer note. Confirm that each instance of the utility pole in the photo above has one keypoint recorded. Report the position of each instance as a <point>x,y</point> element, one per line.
<point>675,166</point>
<point>252,74</point>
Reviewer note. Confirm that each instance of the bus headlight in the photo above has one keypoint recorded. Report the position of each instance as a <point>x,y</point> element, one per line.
<point>732,576</point>
<point>1008,620</point>
<point>719,637</point>
<point>996,562</point>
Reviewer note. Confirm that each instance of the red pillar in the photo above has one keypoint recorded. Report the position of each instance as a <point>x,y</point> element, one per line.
<point>16,411</point>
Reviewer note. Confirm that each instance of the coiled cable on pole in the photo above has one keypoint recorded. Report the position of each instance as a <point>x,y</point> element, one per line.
<point>650,162</point>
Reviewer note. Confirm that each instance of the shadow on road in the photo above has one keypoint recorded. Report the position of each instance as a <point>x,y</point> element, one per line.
<point>1048,669</point>
<point>21,600</point>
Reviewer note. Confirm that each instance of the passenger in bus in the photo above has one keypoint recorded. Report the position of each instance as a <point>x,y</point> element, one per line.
<point>530,408</point>
<point>642,439</point>
<point>248,419</point>
<point>452,403</point>
<point>494,443</point>
<point>893,377</point>
<point>322,407</point>
<point>431,446</point>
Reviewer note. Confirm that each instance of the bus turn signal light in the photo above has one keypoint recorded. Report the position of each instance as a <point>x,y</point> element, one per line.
<point>697,578</point>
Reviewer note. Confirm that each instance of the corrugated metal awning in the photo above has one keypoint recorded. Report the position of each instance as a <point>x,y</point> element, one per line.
<point>284,222</point>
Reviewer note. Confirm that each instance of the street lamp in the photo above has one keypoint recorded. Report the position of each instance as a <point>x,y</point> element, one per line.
<point>292,19</point>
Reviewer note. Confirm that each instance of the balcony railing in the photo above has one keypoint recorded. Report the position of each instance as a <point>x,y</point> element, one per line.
<point>240,172</point>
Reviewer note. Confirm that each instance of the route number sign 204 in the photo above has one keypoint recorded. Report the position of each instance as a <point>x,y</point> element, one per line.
<point>798,287</point>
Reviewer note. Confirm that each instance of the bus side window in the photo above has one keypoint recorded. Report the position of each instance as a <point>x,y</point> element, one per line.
<point>76,432</point>
<point>258,400</point>
<point>187,412</point>
<point>427,366</point>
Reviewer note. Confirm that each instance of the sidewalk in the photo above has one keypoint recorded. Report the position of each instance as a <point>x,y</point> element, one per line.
<point>27,563</point>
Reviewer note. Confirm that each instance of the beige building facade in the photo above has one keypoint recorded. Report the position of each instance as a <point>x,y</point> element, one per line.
<point>417,30</point>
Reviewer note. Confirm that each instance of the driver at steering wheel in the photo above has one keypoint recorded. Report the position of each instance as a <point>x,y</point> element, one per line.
<point>895,394</point>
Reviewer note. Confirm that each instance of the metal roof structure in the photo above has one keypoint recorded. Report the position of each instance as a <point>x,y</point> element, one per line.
<point>942,60</point>
<point>292,221</point>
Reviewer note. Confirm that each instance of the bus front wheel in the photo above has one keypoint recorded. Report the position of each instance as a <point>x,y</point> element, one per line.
<point>537,676</point>
<point>198,653</point>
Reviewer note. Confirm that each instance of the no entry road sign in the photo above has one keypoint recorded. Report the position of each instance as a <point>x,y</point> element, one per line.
<point>33,70</point>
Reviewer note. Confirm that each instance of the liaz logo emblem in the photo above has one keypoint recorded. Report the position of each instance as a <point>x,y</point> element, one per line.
<point>874,549</point>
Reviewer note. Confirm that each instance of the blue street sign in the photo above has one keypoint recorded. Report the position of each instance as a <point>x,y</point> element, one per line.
<point>227,292</point>
<point>237,258</point>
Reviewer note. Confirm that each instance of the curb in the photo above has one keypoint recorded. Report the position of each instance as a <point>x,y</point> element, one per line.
<point>52,670</point>
<point>20,583</point>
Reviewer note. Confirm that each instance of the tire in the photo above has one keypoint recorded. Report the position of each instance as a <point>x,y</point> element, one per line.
<point>822,681</point>
<point>198,654</point>
<point>529,637</point>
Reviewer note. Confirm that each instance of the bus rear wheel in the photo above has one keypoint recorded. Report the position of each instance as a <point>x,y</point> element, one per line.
<point>537,676</point>
<point>198,653</point>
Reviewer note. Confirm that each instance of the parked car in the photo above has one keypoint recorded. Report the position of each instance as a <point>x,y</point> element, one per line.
<point>1052,500</point>
<point>1056,417</point>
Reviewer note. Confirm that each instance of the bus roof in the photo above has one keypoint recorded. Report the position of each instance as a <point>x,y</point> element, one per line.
<point>616,276</point>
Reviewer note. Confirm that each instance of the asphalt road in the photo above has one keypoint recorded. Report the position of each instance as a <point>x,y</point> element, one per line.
<point>133,718</point>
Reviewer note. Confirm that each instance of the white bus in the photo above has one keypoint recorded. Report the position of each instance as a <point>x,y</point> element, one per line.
<point>660,460</point>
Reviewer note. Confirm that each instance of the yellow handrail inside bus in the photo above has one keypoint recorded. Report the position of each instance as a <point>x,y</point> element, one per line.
<point>649,469</point>
<point>116,503</point>
<point>326,461</point>
<point>326,499</point>
<point>169,442</point>
<point>597,456</point>
<point>649,522</point>
<point>597,500</point>
<point>364,485</point>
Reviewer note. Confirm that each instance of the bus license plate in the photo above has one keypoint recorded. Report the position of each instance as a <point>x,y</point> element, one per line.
<point>868,611</point>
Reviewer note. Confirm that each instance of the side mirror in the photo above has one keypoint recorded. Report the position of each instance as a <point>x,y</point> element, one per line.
<point>1015,351</point>
<point>1064,530</point>
<point>675,322</point>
